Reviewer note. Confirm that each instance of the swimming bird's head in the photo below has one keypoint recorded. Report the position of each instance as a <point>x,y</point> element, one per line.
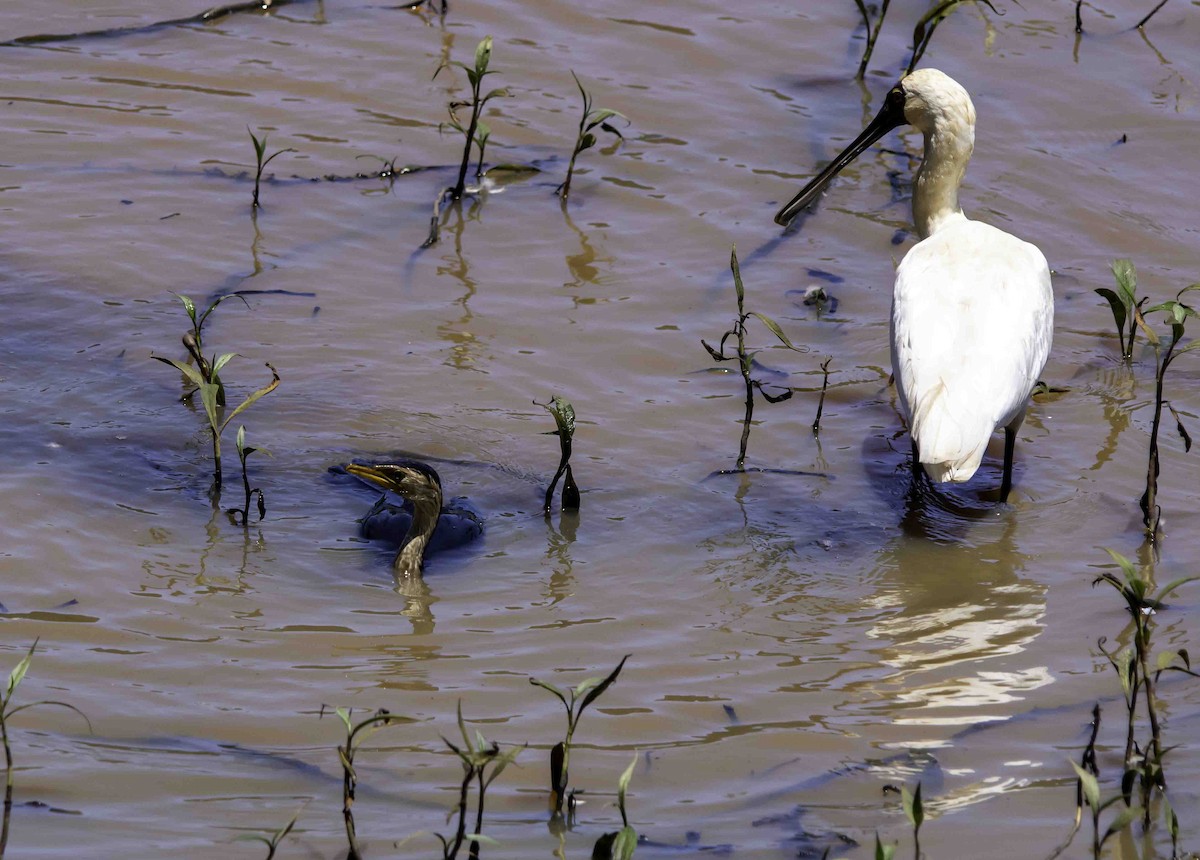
<point>420,484</point>
<point>930,100</point>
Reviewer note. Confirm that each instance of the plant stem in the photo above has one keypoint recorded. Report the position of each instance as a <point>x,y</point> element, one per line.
<point>466,159</point>
<point>8,781</point>
<point>348,787</point>
<point>474,853</point>
<point>872,35</point>
<point>468,772</point>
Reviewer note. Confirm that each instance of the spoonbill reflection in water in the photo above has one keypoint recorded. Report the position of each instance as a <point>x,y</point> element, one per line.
<point>972,310</point>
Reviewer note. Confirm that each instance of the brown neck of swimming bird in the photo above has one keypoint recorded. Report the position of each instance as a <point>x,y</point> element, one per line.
<point>411,558</point>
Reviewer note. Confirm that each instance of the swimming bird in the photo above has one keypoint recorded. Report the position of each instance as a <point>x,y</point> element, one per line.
<point>420,484</point>
<point>972,310</point>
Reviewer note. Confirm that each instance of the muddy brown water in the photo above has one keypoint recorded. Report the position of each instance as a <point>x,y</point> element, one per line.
<point>798,640</point>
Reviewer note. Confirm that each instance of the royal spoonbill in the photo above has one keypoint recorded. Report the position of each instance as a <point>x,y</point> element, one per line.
<point>420,484</point>
<point>972,309</point>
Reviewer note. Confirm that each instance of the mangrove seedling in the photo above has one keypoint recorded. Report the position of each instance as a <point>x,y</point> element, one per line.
<point>261,160</point>
<point>1125,305</point>
<point>244,511</point>
<point>470,132</point>
<point>564,417</point>
<point>1138,683</point>
<point>928,23</point>
<point>586,138</point>
<point>193,341</point>
<point>872,33</point>
<point>212,408</point>
<point>356,735</point>
<point>7,712</point>
<point>560,756</point>
<point>272,841</point>
<point>482,762</point>
<point>619,844</point>
<point>745,358</point>
<point>1089,789</point>
<point>1177,315</point>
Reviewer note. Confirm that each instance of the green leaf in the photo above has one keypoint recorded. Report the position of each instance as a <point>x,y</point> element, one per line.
<point>1123,819</point>
<point>623,782</point>
<point>481,839</point>
<point>483,55</point>
<point>883,852</point>
<point>192,374</point>
<point>599,117</point>
<point>345,715</point>
<point>498,93</point>
<point>737,276</point>
<point>1125,564</point>
<point>586,142</point>
<point>914,809</point>
<point>625,843</point>
<point>188,304</point>
<point>251,398</point>
<point>776,330</point>
<point>599,689</point>
<point>241,442</point>
<point>1126,276</point>
<point>553,689</point>
<point>1091,787</point>
<point>1117,304</point>
<point>18,671</point>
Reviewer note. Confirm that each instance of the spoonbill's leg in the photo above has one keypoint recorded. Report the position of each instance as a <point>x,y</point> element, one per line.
<point>1010,443</point>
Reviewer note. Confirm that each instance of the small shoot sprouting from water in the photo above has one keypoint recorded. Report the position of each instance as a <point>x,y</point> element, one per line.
<point>592,118</point>
<point>213,410</point>
<point>475,133</point>
<point>482,762</point>
<point>1126,307</point>
<point>261,160</point>
<point>7,712</point>
<point>1143,762</point>
<point>575,701</point>
<point>884,852</point>
<point>193,342</point>
<point>745,358</point>
<point>357,734</point>
<point>564,418</point>
<point>928,24</point>
<point>914,811</point>
<point>251,493</point>
<point>272,841</point>
<point>619,844</point>
<point>1178,314</point>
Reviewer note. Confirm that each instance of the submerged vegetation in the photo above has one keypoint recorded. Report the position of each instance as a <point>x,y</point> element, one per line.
<point>745,356</point>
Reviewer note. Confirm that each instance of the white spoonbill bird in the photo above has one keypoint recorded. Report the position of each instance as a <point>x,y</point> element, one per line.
<point>972,310</point>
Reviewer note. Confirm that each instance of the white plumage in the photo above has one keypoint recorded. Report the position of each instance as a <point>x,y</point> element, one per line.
<point>972,311</point>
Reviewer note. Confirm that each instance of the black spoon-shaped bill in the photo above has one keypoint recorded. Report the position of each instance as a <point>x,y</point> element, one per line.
<point>890,116</point>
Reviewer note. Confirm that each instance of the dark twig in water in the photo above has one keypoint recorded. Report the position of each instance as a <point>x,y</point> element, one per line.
<point>872,34</point>
<point>1078,16</point>
<point>1151,14</point>
<point>205,17</point>
<point>821,402</point>
<point>928,24</point>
